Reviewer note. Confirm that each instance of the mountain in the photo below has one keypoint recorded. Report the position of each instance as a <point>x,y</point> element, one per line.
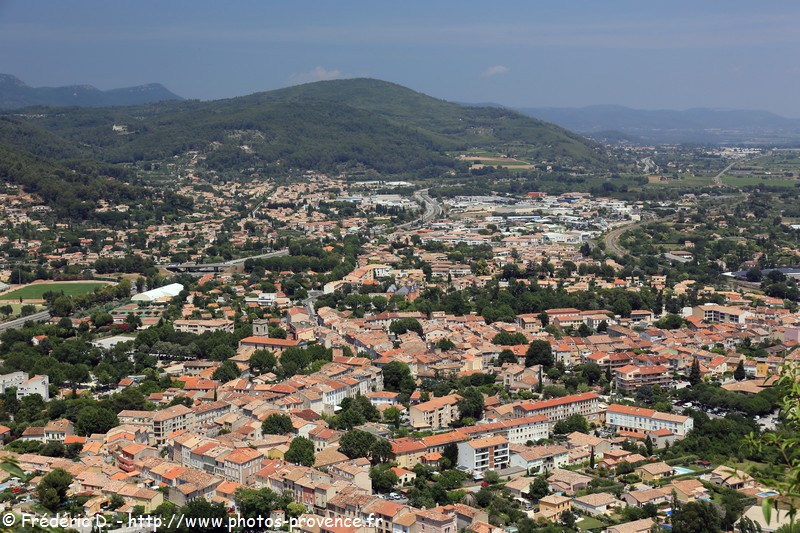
<point>14,94</point>
<point>700,125</point>
<point>328,125</point>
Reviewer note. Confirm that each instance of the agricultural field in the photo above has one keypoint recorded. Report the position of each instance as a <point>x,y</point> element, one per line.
<point>479,159</point>
<point>35,291</point>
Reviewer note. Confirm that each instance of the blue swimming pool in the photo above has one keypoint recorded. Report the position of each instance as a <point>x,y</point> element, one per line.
<point>682,470</point>
<point>767,493</point>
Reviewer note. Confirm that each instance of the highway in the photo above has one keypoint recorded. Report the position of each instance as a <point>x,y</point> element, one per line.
<point>432,210</point>
<point>612,239</point>
<point>19,322</point>
<point>219,267</point>
<point>718,177</point>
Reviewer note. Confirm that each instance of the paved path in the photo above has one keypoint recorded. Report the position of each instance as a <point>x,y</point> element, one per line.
<point>19,322</point>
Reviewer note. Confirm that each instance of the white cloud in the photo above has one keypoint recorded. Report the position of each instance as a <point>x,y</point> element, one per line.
<point>316,74</point>
<point>495,70</point>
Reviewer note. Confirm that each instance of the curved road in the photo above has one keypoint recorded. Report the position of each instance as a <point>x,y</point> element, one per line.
<point>718,177</point>
<point>612,239</point>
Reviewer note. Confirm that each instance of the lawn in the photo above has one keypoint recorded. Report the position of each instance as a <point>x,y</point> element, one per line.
<point>589,523</point>
<point>35,291</point>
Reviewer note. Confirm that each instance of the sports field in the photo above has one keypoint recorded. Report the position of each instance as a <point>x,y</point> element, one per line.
<point>35,291</point>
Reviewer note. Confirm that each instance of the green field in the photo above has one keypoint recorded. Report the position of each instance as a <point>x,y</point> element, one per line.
<point>774,181</point>
<point>590,523</point>
<point>35,292</point>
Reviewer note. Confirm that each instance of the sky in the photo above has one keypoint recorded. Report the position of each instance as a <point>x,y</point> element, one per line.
<point>643,54</point>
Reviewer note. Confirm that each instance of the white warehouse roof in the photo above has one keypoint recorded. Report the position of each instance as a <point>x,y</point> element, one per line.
<point>168,291</point>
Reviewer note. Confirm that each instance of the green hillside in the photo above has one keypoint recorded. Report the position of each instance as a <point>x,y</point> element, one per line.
<point>359,123</point>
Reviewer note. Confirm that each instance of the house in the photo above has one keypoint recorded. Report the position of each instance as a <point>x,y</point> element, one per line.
<point>640,419</point>
<point>638,498</point>
<point>58,430</point>
<point>654,471</point>
<point>567,481</point>
<point>404,477</point>
<point>552,506</point>
<point>689,490</point>
<point>645,525</point>
<point>596,504</point>
<point>731,478</point>
<point>435,521</point>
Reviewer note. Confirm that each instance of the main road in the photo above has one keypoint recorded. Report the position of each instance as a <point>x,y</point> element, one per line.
<point>19,322</point>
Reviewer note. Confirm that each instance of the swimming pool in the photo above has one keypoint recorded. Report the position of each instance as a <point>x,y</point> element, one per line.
<point>681,470</point>
<point>767,493</point>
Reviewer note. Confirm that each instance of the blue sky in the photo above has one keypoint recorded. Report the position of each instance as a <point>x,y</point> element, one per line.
<point>644,54</point>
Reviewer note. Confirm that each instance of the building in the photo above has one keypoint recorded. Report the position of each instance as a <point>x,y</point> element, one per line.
<point>645,525</point>
<point>631,378</point>
<point>721,313</point>
<point>642,420</point>
<point>654,471</point>
<point>14,379</point>
<point>435,414</point>
<point>277,346</point>
<point>551,507</point>
<point>36,385</point>
<point>161,293</point>
<point>480,455</point>
<point>596,504</point>
<point>540,458</point>
<point>555,409</point>
<point>198,327</point>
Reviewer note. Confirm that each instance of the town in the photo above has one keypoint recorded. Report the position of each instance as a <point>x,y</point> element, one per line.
<point>351,349</point>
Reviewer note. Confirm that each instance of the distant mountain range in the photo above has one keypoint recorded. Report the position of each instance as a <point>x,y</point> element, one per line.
<point>701,125</point>
<point>14,94</point>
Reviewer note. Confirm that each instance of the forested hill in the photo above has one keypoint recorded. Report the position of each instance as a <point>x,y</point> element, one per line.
<point>14,94</point>
<point>331,125</point>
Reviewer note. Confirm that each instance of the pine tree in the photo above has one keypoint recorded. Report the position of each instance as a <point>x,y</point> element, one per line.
<point>739,373</point>
<point>694,374</point>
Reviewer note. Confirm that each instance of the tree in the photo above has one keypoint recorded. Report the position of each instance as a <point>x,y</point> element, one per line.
<point>696,517</point>
<point>227,371</point>
<point>399,327</point>
<point>538,488</point>
<point>568,519</point>
<point>116,501</point>
<point>202,508</point>
<point>648,445</point>
<point>445,344</point>
<point>391,415</point>
<point>592,373</point>
<point>356,443</point>
<point>739,374</point>
<point>133,321</point>
<point>277,424</point>
<point>263,361</point>
<point>450,452</point>
<point>694,374</point>
<point>383,478</point>
<point>301,451</point>
<point>101,318</point>
<point>397,378</point>
<point>380,451</point>
<point>622,307</point>
<point>6,310</point>
<point>95,420</point>
<point>574,422</point>
<point>471,404</point>
<point>539,353</point>
<point>509,339</point>
<point>52,489</point>
<point>506,356</point>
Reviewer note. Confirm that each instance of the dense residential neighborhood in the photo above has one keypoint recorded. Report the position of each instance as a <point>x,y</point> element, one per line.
<point>482,370</point>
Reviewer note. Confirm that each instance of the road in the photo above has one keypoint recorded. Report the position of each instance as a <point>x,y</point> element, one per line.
<point>432,209</point>
<point>218,267</point>
<point>718,177</point>
<point>19,322</point>
<point>612,239</point>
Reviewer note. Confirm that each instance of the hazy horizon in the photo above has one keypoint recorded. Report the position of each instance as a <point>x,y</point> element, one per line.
<point>677,55</point>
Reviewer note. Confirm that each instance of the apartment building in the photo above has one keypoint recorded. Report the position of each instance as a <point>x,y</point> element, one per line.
<point>721,313</point>
<point>435,521</point>
<point>488,453</point>
<point>435,414</point>
<point>14,379</point>
<point>630,378</point>
<point>640,419</point>
<point>555,409</point>
<point>517,430</point>
<point>36,385</point>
